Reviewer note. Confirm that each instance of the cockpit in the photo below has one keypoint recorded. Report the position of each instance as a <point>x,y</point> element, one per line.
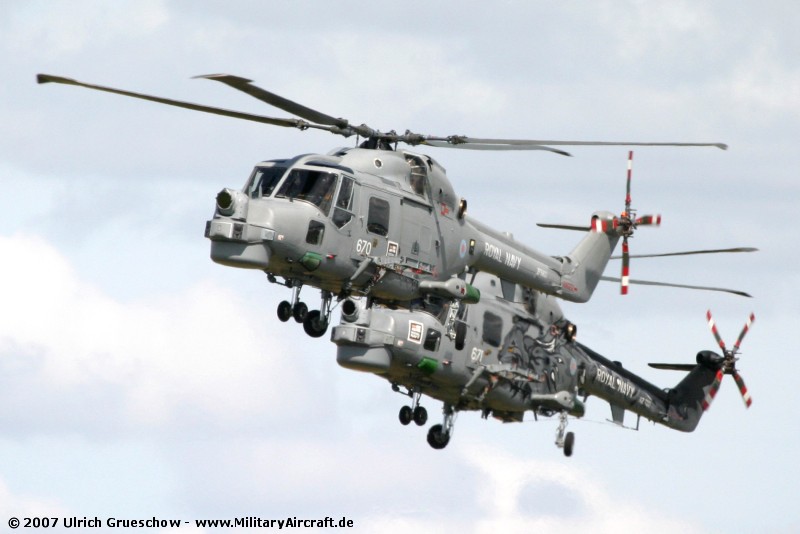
<point>263,181</point>
<point>316,186</point>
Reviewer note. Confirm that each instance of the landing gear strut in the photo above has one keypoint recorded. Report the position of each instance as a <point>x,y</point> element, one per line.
<point>564,440</point>
<point>415,412</point>
<point>315,323</point>
<point>439,435</point>
<point>296,309</point>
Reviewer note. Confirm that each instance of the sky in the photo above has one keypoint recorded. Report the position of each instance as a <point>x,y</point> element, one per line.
<point>139,379</point>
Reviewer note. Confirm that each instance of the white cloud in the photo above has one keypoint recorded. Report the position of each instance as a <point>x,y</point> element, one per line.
<point>15,505</point>
<point>642,29</point>
<point>568,499</point>
<point>761,83</point>
<point>199,350</point>
<point>51,30</point>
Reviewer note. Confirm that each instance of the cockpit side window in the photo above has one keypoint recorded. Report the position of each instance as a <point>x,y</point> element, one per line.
<point>263,181</point>
<point>418,177</point>
<point>432,339</point>
<point>378,216</point>
<point>492,329</point>
<point>312,186</point>
<point>343,210</point>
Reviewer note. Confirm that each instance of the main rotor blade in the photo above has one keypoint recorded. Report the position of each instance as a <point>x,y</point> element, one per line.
<point>293,123</point>
<point>666,284</point>
<point>246,86</point>
<point>691,252</point>
<point>468,144</point>
<point>722,146</point>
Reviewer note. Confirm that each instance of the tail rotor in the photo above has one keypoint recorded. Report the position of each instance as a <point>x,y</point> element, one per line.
<point>627,224</point>
<point>729,360</point>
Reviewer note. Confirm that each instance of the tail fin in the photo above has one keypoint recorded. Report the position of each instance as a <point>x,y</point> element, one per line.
<point>688,399</point>
<point>583,267</point>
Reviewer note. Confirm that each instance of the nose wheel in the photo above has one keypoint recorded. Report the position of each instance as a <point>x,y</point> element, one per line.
<point>315,322</point>
<point>295,308</point>
<point>284,311</point>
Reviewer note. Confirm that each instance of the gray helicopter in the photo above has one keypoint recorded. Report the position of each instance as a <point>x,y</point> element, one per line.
<point>379,221</point>
<point>514,352</point>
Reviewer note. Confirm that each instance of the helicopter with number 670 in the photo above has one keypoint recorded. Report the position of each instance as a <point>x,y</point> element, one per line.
<point>379,221</point>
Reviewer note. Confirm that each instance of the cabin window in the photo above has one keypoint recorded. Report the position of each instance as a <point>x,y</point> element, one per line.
<point>378,216</point>
<point>315,232</point>
<point>342,213</point>
<point>432,339</point>
<point>418,178</point>
<point>312,186</point>
<point>492,329</point>
<point>263,181</point>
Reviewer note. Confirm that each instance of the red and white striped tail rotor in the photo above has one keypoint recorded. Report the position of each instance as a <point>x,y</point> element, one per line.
<point>744,331</point>
<point>627,224</point>
<point>748,400</point>
<point>728,366</point>
<point>626,261</point>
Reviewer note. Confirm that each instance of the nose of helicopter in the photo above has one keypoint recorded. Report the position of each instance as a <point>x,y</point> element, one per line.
<point>242,255</point>
<point>236,242</point>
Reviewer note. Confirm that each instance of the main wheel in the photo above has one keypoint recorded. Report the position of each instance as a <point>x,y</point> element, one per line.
<point>405,415</point>
<point>420,415</point>
<point>284,311</point>
<point>569,443</point>
<point>315,325</point>
<point>437,437</point>
<point>300,312</point>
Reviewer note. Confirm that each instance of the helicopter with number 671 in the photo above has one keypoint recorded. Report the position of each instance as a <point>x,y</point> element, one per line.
<point>515,353</point>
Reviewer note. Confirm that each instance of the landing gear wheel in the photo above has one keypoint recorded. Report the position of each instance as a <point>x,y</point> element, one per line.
<point>420,416</point>
<point>314,324</point>
<point>569,443</point>
<point>405,415</point>
<point>437,437</point>
<point>300,312</point>
<point>284,311</point>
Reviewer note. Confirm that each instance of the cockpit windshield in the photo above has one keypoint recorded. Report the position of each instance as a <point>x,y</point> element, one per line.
<point>312,186</point>
<point>263,181</point>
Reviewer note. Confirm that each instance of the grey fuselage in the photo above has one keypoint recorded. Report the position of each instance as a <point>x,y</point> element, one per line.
<point>514,357</point>
<point>381,222</point>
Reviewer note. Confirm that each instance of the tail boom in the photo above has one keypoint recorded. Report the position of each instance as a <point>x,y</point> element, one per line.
<point>572,278</point>
<point>679,408</point>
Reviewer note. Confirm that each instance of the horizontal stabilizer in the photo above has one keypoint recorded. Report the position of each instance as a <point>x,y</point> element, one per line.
<point>617,414</point>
